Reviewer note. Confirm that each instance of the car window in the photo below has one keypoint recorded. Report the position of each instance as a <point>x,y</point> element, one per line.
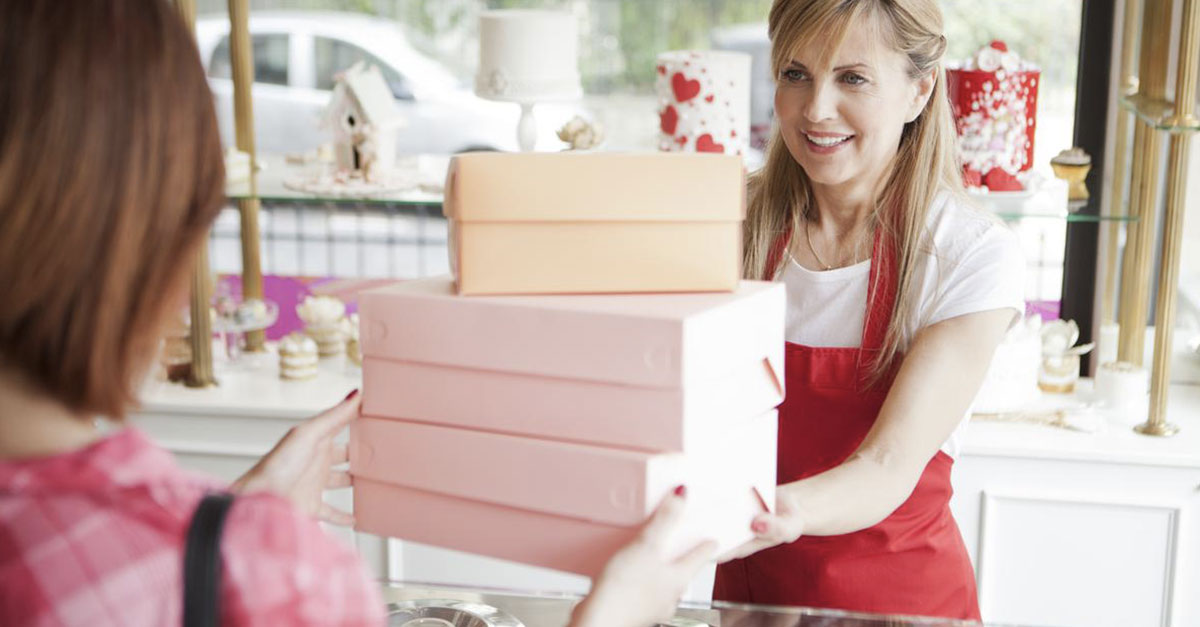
<point>270,59</point>
<point>334,55</point>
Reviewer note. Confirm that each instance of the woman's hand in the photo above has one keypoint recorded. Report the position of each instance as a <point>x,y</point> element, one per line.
<point>642,584</point>
<point>785,525</point>
<point>300,467</point>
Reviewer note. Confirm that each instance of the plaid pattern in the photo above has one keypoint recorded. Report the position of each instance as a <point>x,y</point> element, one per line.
<point>95,537</point>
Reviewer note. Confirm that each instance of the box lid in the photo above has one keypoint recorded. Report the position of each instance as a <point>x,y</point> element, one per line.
<point>660,340</point>
<point>599,186</point>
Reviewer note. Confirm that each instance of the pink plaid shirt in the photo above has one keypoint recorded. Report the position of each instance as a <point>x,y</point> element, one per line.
<point>95,537</point>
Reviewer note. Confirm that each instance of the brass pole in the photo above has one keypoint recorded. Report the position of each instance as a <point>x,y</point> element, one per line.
<point>1140,249</point>
<point>200,374</point>
<point>200,333</point>
<point>1177,164</point>
<point>1112,229</point>
<point>242,63</point>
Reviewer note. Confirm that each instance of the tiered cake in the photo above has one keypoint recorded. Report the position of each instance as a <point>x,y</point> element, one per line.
<point>528,56</point>
<point>994,99</point>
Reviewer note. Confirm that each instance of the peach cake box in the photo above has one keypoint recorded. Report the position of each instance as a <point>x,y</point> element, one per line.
<point>587,223</point>
<point>545,429</point>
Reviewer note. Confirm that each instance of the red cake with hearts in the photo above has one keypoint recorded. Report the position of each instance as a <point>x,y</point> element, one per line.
<point>994,100</point>
<point>703,101</point>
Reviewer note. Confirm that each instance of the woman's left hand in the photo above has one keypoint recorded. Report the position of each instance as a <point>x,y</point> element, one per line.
<point>784,525</point>
<point>300,467</point>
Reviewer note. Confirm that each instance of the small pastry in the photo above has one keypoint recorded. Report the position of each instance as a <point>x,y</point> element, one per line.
<point>297,357</point>
<point>322,317</point>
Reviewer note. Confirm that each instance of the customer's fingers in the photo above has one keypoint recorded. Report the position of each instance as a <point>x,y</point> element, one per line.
<point>665,517</point>
<point>331,421</point>
<point>338,479</point>
<point>333,515</point>
<point>697,556</point>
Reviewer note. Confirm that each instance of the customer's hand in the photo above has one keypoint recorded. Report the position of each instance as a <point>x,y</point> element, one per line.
<point>300,467</point>
<point>784,525</point>
<point>642,583</point>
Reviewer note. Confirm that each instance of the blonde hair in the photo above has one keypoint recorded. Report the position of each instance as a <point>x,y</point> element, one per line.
<point>926,163</point>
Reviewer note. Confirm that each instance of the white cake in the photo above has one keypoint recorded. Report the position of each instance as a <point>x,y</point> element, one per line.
<point>1011,383</point>
<point>703,101</point>
<point>528,56</point>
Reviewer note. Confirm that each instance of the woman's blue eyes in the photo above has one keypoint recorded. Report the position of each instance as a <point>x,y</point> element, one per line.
<point>850,78</point>
<point>794,75</point>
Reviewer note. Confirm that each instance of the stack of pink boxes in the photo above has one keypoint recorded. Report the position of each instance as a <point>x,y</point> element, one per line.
<point>544,428</point>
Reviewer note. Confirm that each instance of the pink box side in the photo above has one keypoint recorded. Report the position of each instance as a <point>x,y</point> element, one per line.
<point>621,339</point>
<point>567,544</point>
<point>611,486</point>
<point>720,505</point>
<point>589,482</point>
<point>645,418</point>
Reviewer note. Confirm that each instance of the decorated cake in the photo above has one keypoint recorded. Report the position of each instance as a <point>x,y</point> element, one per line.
<point>322,316</point>
<point>528,55</point>
<point>994,100</point>
<point>704,101</point>
<point>297,357</point>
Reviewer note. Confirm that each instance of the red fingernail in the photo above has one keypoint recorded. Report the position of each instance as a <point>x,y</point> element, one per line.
<point>681,491</point>
<point>758,526</point>
<point>351,395</point>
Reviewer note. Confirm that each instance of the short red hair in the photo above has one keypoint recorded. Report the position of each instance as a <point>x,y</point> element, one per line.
<point>110,176</point>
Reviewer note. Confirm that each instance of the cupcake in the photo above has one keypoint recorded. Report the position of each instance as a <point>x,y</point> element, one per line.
<point>322,316</point>
<point>1072,165</point>
<point>297,357</point>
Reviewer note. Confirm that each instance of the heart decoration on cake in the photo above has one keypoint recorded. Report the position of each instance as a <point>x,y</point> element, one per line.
<point>705,143</point>
<point>685,89</point>
<point>668,120</point>
<point>703,101</point>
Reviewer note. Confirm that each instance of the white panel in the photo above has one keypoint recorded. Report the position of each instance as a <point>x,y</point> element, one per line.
<point>1058,560</point>
<point>428,564</point>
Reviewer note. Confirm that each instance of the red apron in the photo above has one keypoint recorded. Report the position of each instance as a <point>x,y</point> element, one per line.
<point>913,562</point>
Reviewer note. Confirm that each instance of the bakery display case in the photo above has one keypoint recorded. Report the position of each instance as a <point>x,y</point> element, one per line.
<point>426,605</point>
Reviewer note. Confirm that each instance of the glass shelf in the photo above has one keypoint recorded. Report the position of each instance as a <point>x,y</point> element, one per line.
<point>1069,217</point>
<point>424,171</point>
<point>1157,113</point>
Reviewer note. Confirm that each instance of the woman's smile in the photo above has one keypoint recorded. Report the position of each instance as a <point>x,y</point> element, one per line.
<point>823,143</point>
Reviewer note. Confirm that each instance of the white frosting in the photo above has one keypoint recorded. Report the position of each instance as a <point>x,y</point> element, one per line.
<point>528,55</point>
<point>321,310</point>
<point>703,101</point>
<point>297,344</point>
<point>1012,379</point>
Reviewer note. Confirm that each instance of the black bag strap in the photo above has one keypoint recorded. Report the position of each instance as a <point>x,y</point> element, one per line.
<point>202,562</point>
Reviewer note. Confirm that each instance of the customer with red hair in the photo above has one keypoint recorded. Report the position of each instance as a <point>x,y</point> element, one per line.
<point>110,177</point>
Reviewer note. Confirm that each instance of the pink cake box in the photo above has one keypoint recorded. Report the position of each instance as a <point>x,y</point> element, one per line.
<point>637,417</point>
<point>647,371</point>
<point>554,504</point>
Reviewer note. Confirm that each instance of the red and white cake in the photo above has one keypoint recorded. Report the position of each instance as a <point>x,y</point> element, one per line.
<point>994,99</point>
<point>704,101</point>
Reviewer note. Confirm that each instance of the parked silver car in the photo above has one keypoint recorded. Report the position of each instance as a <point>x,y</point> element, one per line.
<point>297,53</point>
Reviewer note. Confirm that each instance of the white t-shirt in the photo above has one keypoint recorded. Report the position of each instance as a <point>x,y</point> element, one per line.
<point>974,264</point>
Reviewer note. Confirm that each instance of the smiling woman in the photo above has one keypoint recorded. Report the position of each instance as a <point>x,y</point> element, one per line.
<point>897,287</point>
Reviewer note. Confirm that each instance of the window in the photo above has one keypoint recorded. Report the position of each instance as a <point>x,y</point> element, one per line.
<point>270,59</point>
<point>333,56</point>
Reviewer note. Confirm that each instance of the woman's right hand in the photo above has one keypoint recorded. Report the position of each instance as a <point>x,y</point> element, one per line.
<point>642,583</point>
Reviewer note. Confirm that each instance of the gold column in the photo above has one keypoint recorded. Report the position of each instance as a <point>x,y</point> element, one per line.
<point>1112,229</point>
<point>242,63</point>
<point>1168,281</point>
<point>200,374</point>
<point>1135,275</point>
